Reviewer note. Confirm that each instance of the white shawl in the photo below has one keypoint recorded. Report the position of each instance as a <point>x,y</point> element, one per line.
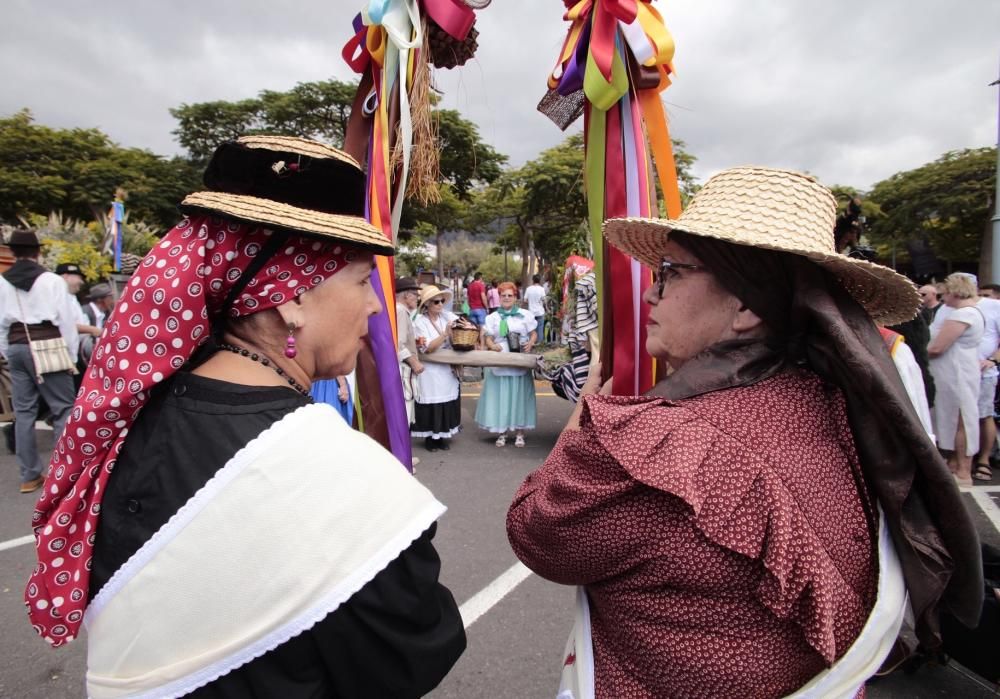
<point>292,526</point>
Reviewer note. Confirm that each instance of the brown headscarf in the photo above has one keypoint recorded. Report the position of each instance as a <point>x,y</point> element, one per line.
<point>814,322</point>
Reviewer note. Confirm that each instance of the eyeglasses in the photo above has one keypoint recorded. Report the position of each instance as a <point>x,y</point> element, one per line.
<point>436,301</point>
<point>668,273</point>
<point>508,296</point>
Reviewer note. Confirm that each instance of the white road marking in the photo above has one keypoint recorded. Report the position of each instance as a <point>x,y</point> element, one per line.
<point>14,543</point>
<point>489,596</point>
<point>988,506</point>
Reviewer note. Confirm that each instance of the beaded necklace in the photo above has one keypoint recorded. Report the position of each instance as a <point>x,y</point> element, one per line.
<point>261,359</point>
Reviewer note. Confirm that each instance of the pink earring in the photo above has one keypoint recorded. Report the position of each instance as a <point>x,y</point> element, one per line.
<point>290,350</point>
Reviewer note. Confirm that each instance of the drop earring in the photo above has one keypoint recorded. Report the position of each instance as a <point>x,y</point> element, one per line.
<point>290,350</point>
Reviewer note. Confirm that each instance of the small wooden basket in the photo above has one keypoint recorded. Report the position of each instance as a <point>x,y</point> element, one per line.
<point>464,339</point>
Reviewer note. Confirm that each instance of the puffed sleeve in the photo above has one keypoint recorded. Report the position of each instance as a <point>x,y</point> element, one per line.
<point>492,325</point>
<point>609,495</point>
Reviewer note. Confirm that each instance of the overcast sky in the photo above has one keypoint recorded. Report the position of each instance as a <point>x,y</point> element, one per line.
<point>850,91</point>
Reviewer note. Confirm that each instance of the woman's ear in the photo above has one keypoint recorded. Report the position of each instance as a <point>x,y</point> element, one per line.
<point>746,321</point>
<point>291,313</point>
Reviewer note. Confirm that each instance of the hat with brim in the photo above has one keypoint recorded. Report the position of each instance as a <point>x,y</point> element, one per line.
<point>406,284</point>
<point>291,184</point>
<point>776,210</point>
<point>69,268</point>
<point>23,240</point>
<point>432,292</point>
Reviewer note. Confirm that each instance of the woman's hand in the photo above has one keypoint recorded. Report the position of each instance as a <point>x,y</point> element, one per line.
<point>343,394</point>
<point>593,384</point>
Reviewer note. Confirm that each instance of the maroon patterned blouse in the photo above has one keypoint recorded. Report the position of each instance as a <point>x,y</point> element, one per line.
<point>726,541</point>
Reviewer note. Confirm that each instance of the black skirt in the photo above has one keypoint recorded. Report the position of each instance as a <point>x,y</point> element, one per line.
<point>437,420</point>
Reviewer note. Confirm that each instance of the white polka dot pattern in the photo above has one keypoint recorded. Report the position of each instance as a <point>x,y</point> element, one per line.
<point>162,317</point>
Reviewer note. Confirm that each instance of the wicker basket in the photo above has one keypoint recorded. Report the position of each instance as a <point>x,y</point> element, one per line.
<point>464,339</point>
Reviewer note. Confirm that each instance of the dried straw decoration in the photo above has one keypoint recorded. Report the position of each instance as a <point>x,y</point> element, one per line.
<point>425,164</point>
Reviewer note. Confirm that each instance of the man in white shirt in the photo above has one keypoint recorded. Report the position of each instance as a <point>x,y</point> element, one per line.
<point>34,302</point>
<point>101,302</point>
<point>534,295</point>
<point>88,330</point>
<point>407,296</point>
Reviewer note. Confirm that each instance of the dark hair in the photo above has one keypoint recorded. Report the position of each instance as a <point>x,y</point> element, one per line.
<point>536,279</point>
<point>477,275</point>
<point>989,287</point>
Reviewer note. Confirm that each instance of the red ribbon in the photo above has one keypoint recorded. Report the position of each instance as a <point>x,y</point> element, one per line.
<point>605,28</point>
<point>355,53</point>
<point>618,304</point>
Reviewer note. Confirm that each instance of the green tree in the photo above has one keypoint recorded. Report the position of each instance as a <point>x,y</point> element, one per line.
<point>78,171</point>
<point>466,161</point>
<point>317,110</point>
<point>947,202</point>
<point>541,209</point>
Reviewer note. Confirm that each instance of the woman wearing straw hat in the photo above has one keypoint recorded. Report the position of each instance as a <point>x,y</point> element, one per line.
<point>507,403</point>
<point>753,526</point>
<point>437,410</point>
<point>224,534</point>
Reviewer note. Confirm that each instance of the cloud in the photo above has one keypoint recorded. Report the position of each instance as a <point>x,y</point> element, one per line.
<point>850,91</point>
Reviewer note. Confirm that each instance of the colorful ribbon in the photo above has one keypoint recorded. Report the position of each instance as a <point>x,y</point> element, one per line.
<point>626,135</point>
<point>384,48</point>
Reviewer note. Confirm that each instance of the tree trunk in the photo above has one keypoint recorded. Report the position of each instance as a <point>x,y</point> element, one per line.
<point>440,265</point>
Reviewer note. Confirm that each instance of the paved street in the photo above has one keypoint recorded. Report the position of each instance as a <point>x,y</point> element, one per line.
<point>520,621</point>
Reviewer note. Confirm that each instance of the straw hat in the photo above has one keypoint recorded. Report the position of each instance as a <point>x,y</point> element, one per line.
<point>289,183</point>
<point>430,292</point>
<point>776,210</point>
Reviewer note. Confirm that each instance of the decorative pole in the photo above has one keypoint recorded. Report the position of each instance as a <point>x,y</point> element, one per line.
<point>391,130</point>
<point>995,257</point>
<point>615,62</point>
<point>116,229</point>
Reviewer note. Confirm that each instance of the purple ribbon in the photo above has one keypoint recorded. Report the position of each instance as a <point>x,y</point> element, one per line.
<point>572,77</point>
<point>391,386</point>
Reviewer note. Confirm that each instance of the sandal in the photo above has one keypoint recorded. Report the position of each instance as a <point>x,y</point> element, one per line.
<point>501,441</point>
<point>983,472</point>
<point>519,440</point>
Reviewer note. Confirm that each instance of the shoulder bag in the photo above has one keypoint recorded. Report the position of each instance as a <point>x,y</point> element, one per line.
<point>47,355</point>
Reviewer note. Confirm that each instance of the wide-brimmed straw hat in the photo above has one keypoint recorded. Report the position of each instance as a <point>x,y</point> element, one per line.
<point>292,184</point>
<point>776,210</point>
<point>430,292</point>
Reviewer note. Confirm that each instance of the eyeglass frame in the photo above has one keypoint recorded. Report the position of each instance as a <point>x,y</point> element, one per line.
<point>665,266</point>
<point>434,302</point>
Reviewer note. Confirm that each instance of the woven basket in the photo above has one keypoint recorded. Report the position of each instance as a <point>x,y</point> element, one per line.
<point>464,339</point>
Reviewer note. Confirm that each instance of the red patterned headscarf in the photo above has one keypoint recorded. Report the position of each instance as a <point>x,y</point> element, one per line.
<point>162,317</point>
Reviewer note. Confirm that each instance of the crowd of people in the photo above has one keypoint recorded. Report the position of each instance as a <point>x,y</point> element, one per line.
<point>963,352</point>
<point>432,389</point>
<point>759,524</point>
